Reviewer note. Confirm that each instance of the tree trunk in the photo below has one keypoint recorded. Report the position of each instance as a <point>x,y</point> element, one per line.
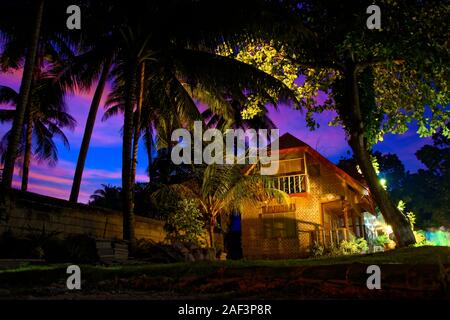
<point>128,207</point>
<point>137,124</point>
<point>399,223</point>
<point>211,236</point>
<point>27,155</point>
<point>24,95</point>
<point>90,122</point>
<point>357,141</point>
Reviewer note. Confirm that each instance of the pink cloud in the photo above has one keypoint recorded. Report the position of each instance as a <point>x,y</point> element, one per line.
<point>57,181</point>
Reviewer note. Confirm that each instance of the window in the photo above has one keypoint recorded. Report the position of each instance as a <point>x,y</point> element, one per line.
<point>279,225</point>
<point>291,166</point>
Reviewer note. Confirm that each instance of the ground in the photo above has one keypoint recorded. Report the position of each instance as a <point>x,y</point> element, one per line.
<point>405,273</point>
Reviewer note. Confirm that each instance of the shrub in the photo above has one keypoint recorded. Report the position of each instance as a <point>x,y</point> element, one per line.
<point>421,240</point>
<point>76,248</point>
<point>362,245</point>
<point>156,252</point>
<point>381,240</point>
<point>317,250</point>
<point>81,248</point>
<point>186,223</point>
<point>12,247</point>
<point>348,247</point>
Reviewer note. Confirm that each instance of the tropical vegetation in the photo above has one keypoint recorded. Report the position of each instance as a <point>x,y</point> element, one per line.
<point>163,57</point>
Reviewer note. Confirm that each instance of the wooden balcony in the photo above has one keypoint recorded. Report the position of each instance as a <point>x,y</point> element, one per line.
<point>289,183</point>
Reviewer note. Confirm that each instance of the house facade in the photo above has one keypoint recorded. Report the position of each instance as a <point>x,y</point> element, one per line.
<point>325,205</point>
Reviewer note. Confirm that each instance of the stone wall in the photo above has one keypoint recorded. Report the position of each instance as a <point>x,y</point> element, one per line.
<point>24,213</point>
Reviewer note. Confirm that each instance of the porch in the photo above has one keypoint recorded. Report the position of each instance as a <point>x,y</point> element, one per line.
<point>340,221</point>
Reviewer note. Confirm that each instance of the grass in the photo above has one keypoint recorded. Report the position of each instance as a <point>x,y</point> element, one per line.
<point>421,255</point>
<point>34,277</point>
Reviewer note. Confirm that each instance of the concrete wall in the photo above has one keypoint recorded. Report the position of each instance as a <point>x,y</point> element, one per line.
<point>25,213</point>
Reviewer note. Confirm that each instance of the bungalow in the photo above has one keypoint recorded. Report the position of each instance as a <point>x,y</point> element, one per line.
<point>325,205</point>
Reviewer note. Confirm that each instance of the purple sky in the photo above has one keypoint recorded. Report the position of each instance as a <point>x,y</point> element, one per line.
<point>103,164</point>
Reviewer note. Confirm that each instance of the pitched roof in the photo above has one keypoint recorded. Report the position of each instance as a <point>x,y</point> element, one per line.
<point>287,140</point>
<point>289,144</point>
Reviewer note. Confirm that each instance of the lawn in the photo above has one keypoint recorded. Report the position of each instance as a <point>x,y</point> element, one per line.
<point>420,272</point>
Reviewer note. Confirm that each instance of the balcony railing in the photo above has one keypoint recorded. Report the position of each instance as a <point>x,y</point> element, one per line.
<point>289,183</point>
<point>329,237</point>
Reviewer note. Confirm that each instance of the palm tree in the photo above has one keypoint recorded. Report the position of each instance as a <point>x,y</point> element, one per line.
<point>46,115</point>
<point>180,57</point>
<point>27,42</point>
<point>221,190</point>
<point>94,64</point>
<point>108,197</point>
<point>25,88</point>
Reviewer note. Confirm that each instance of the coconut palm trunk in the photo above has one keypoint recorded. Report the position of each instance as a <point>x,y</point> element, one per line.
<point>211,235</point>
<point>24,96</point>
<point>27,155</point>
<point>127,192</point>
<point>90,122</point>
<point>137,126</point>
<point>399,223</point>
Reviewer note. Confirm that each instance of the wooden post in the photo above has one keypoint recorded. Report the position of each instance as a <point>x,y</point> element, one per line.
<point>354,219</point>
<point>362,228</point>
<point>346,221</point>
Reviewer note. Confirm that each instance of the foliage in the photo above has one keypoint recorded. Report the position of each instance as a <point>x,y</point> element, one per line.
<point>381,81</point>
<point>156,252</point>
<point>109,197</point>
<point>424,195</point>
<point>381,240</point>
<point>421,240</point>
<point>49,116</point>
<point>186,224</point>
<point>276,62</point>
<point>353,246</point>
<point>317,250</point>
<point>345,247</point>
<point>427,192</point>
<point>219,190</point>
<point>74,248</point>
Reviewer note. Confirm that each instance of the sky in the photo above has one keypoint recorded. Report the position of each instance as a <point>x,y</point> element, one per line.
<point>103,164</point>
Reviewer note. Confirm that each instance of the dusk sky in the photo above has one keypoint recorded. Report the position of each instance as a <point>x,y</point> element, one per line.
<point>103,163</point>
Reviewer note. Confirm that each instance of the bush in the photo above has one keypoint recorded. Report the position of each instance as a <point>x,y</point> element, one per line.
<point>353,246</point>
<point>381,240</point>
<point>12,247</point>
<point>156,252</point>
<point>186,224</point>
<point>76,248</point>
<point>317,250</point>
<point>421,239</point>
<point>346,247</point>
<point>81,249</point>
